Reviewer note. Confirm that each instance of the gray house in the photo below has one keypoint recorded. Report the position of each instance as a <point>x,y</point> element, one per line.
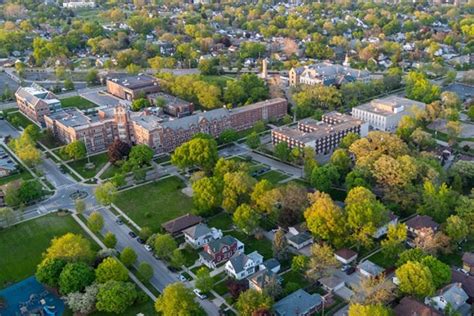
<point>299,303</point>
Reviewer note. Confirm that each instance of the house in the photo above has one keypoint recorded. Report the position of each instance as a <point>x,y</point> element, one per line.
<point>199,235</point>
<point>331,283</point>
<point>262,278</point>
<point>468,262</point>
<point>410,307</point>
<point>301,240</point>
<point>417,224</point>
<point>242,265</point>
<point>327,74</point>
<point>467,282</point>
<point>345,255</point>
<point>176,226</point>
<point>220,250</point>
<point>299,303</point>
<point>7,164</point>
<point>382,230</point>
<point>453,295</point>
<point>271,265</point>
<point>369,269</point>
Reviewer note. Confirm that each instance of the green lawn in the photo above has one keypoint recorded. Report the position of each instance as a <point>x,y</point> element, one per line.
<point>218,80</point>
<point>222,221</point>
<point>80,165</point>
<point>155,203</point>
<point>23,174</point>
<point>110,172</point>
<point>273,176</point>
<point>380,260</point>
<point>295,278</point>
<point>21,246</point>
<point>263,246</point>
<point>190,255</point>
<point>77,102</point>
<point>18,120</point>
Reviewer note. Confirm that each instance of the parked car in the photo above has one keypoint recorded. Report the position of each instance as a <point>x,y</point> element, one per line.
<point>148,248</point>
<point>141,241</point>
<point>199,294</point>
<point>132,234</point>
<point>350,270</point>
<point>119,221</point>
<point>182,278</point>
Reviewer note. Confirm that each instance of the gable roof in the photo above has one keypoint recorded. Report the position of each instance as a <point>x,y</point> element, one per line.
<point>346,253</point>
<point>197,231</point>
<point>422,221</point>
<point>238,262</point>
<point>467,281</point>
<point>370,267</point>
<point>271,264</point>
<point>216,245</point>
<point>410,307</point>
<point>296,303</point>
<point>178,224</point>
<point>468,258</point>
<point>300,238</point>
<point>454,294</point>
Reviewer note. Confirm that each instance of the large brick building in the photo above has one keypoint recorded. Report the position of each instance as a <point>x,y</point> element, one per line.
<point>129,87</point>
<point>161,133</point>
<point>35,102</point>
<point>323,136</point>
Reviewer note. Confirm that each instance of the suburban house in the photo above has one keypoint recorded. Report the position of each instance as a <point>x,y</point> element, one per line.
<point>271,265</point>
<point>242,265</point>
<point>220,250</point>
<point>298,237</point>
<point>299,303</point>
<point>262,278</point>
<point>451,294</point>
<point>176,226</point>
<point>345,255</point>
<point>468,262</point>
<point>382,230</point>
<point>369,269</point>
<point>410,306</point>
<point>331,283</point>
<point>200,234</point>
<point>467,282</point>
<point>417,224</point>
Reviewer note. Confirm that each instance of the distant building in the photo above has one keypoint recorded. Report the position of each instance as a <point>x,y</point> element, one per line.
<point>7,164</point>
<point>468,262</point>
<point>172,105</point>
<point>35,102</point>
<point>131,87</point>
<point>385,114</point>
<point>326,74</point>
<point>74,4</point>
<point>323,136</point>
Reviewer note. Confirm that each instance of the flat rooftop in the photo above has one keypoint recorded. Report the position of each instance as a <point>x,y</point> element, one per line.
<point>386,106</point>
<point>71,117</point>
<point>133,81</point>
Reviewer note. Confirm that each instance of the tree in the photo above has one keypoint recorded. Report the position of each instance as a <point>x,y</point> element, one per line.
<point>7,215</point>
<point>128,256</point>
<point>24,148</point>
<point>204,281</point>
<point>145,232</point>
<point>199,152</point>
<point>118,151</point>
<point>419,88</point>
<point>207,194</point>
<point>139,104</point>
<point>368,310</point>
<point>140,155</point>
<point>326,219</point>
<point>75,277</point>
<point>33,132</point>
<point>70,247</point>
<point>282,151</point>
<point>315,97</point>
<point>110,240</point>
<point>111,269</point>
<point>373,291</point>
<point>115,297</point>
<point>341,160</point>
<point>80,206</point>
<point>228,136</point>
<point>309,162</point>
<point>92,77</point>
<point>414,254</point>
<point>356,178</point>
<point>394,243</point>
<point>432,242</point>
<point>74,150</point>
<point>251,301</point>
<point>348,140</point>
<point>164,245</point>
<point>423,140</point>
<point>299,263</point>
<point>280,246</point>
<point>437,202</point>
<point>324,177</point>
<point>68,84</point>
<point>145,271</point>
<point>453,129</point>
<point>272,289</point>
<point>49,270</point>
<point>440,272</point>
<point>95,221</point>
<point>83,303</point>
<point>253,140</point>
<point>365,214</point>
<point>177,299</point>
<point>106,193</point>
<point>237,189</point>
<point>415,279</point>
<point>260,196</point>
<point>322,261</point>
<point>456,228</point>
<point>177,259</point>
<point>246,219</point>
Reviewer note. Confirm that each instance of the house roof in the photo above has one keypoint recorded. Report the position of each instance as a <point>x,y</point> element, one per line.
<point>239,261</point>
<point>216,245</point>
<point>410,307</point>
<point>178,224</point>
<point>300,238</point>
<point>197,231</point>
<point>271,263</point>
<point>468,258</point>
<point>370,267</point>
<point>422,221</point>
<point>297,303</point>
<point>262,277</point>
<point>331,282</point>
<point>467,281</point>
<point>453,293</point>
<point>345,253</point>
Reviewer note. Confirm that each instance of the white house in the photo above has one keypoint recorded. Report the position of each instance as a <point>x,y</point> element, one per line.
<point>382,230</point>
<point>199,235</point>
<point>331,283</point>
<point>242,265</point>
<point>345,255</point>
<point>452,294</point>
<point>369,269</point>
<point>74,4</point>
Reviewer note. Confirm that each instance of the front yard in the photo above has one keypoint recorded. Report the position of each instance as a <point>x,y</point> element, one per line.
<point>155,203</point>
<point>80,165</point>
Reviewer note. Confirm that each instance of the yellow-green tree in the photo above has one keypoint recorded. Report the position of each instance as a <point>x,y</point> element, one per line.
<point>177,299</point>
<point>70,247</point>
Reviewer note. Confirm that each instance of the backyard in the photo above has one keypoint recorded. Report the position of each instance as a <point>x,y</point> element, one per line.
<point>77,102</point>
<point>80,165</point>
<point>155,203</point>
<point>27,241</point>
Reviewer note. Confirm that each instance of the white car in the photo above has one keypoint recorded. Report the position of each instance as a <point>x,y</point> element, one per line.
<point>148,248</point>
<point>199,294</point>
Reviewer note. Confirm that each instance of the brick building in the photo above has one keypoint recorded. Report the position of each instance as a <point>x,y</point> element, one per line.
<point>131,87</point>
<point>35,102</point>
<point>323,136</point>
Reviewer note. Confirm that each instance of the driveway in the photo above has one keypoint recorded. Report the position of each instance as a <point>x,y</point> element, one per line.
<point>351,280</point>
<point>345,293</point>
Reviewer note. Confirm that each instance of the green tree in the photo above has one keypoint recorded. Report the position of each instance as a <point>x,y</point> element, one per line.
<point>282,151</point>
<point>237,189</point>
<point>394,243</point>
<point>145,271</point>
<point>414,254</point>
<point>246,219</point>
<point>75,277</point>
<point>24,148</point>
<point>115,297</point>
<point>415,279</point>
<point>322,261</point>
<point>309,162</point>
<point>80,206</point>
<point>49,270</point>
<point>204,281</point>
<point>33,132</point>
<point>74,150</point>
<point>92,77</point>
<point>456,228</point>
<point>70,247</point>
<point>128,256</point>
<point>253,140</point>
<point>68,84</point>
<point>207,194</point>
<point>368,310</point>
<point>177,299</point>
<point>197,152</point>
<point>228,135</point>
<point>106,193</point>
<point>177,259</point>
<point>250,301</point>
<point>323,178</point>
<point>341,160</point>
<point>139,104</point>
<point>356,178</point>
<point>110,240</point>
<point>164,245</point>
<point>299,263</point>
<point>95,222</point>
<point>140,155</point>
<point>440,272</point>
<point>111,269</point>
<point>437,202</point>
<point>280,245</point>
<point>419,88</point>
<point>348,140</point>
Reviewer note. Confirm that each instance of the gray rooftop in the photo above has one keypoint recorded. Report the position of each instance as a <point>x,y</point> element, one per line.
<point>133,82</point>
<point>71,117</point>
<point>386,106</point>
<point>297,303</point>
<point>197,231</point>
<point>370,267</point>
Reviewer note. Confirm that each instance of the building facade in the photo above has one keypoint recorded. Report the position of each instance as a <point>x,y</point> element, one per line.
<point>323,136</point>
<point>35,102</point>
<point>132,87</point>
<point>326,74</point>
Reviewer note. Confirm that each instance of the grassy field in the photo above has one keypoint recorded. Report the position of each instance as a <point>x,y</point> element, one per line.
<point>23,174</point>
<point>273,176</point>
<point>77,102</point>
<point>380,260</point>
<point>80,165</point>
<point>18,120</point>
<point>222,221</point>
<point>155,203</point>
<point>21,246</point>
<point>263,246</point>
<point>110,172</point>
